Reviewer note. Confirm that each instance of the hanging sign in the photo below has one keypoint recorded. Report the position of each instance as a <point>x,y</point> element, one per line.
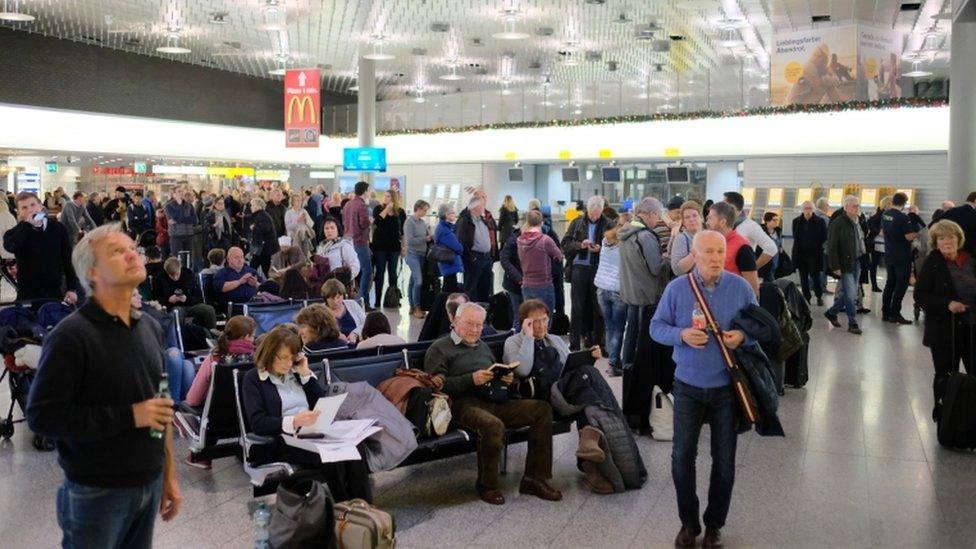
<point>302,108</point>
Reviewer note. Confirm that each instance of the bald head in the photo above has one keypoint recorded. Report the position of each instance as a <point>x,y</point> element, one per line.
<point>708,249</point>
<point>235,258</point>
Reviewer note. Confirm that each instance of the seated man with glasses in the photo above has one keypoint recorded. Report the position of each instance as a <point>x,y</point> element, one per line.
<point>480,404</point>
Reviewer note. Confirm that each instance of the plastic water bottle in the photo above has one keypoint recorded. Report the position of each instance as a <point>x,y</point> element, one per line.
<point>261,519</point>
<point>698,321</point>
<point>163,392</point>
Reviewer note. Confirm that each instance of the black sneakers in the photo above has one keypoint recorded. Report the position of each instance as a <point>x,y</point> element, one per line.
<point>854,329</point>
<point>832,318</point>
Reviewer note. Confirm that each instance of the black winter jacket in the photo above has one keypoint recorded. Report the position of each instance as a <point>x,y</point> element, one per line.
<point>809,236</point>
<point>934,290</point>
<point>465,233</point>
<point>761,326</point>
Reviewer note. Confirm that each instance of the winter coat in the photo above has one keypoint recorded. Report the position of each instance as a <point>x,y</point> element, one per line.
<point>507,219</point>
<point>577,232</point>
<point>277,215</point>
<point>536,252</point>
<point>264,239</point>
<point>759,325</point>
<point>444,236</point>
<point>584,391</point>
<point>934,289</point>
<point>841,244</point>
<point>395,442</point>
<point>643,270</point>
<point>512,267</point>
<point>465,232</point>
<point>809,236</point>
<point>340,253</point>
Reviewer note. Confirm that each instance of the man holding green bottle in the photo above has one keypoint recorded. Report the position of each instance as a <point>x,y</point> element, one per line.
<point>95,394</point>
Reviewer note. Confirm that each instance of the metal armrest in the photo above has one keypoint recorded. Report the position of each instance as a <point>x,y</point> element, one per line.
<point>259,439</point>
<point>259,474</point>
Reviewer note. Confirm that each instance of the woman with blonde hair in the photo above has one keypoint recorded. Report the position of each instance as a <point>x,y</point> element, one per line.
<point>680,248</point>
<point>507,219</point>
<point>607,281</point>
<point>387,245</point>
<point>299,225</point>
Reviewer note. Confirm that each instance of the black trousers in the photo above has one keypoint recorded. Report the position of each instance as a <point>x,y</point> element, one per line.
<point>586,319</point>
<point>895,288</point>
<point>261,263</point>
<point>806,276</point>
<point>652,366</point>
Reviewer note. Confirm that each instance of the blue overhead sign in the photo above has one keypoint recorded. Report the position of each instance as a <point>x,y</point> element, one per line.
<point>364,159</point>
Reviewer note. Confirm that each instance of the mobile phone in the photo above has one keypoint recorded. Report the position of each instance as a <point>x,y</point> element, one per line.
<point>311,435</point>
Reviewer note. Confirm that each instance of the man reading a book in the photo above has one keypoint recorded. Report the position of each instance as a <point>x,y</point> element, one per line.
<point>480,403</point>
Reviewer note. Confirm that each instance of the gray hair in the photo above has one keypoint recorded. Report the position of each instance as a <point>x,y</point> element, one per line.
<point>822,203</point>
<point>472,306</point>
<point>444,209</point>
<point>83,256</point>
<point>260,202</point>
<point>475,202</point>
<point>595,202</point>
<point>702,235</point>
<point>804,204</point>
<point>649,206</point>
<point>535,204</point>
<point>851,199</point>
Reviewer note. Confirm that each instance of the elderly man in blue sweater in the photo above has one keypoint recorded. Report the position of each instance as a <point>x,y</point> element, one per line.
<point>702,387</point>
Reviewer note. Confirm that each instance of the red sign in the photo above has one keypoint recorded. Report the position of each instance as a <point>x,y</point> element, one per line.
<point>303,106</point>
<point>113,171</point>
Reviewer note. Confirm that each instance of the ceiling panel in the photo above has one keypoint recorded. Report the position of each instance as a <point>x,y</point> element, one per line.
<point>570,42</point>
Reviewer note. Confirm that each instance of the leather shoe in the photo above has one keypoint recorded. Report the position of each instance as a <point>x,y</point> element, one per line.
<point>900,320</point>
<point>539,489</point>
<point>686,537</point>
<point>713,537</point>
<point>819,302</point>
<point>491,495</point>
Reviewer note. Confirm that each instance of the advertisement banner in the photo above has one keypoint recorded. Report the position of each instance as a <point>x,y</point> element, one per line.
<point>879,56</point>
<point>814,66</point>
<point>302,108</point>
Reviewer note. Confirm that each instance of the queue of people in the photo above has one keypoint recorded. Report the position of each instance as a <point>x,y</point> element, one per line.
<point>632,276</point>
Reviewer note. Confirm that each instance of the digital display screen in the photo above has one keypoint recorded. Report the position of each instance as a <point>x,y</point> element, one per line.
<point>611,175</point>
<point>515,174</point>
<point>677,174</point>
<point>364,159</point>
<point>571,175</point>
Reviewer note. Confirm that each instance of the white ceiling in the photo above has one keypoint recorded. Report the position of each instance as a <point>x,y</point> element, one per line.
<point>254,39</point>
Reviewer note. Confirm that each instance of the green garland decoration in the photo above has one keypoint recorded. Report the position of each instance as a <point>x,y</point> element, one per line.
<point>914,102</point>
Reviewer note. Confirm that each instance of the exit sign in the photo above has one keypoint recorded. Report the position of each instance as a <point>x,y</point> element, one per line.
<point>52,167</point>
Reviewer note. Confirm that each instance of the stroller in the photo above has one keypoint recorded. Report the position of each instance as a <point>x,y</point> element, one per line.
<point>22,325</point>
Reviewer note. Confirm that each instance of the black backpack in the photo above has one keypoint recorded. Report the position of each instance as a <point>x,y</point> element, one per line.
<point>957,424</point>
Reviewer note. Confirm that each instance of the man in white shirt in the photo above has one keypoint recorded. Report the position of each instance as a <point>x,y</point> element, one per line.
<point>751,230</point>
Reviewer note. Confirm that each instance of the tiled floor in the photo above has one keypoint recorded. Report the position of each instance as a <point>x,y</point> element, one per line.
<point>859,467</point>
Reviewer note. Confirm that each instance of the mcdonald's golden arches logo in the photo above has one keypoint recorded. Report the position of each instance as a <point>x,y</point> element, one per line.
<point>303,103</point>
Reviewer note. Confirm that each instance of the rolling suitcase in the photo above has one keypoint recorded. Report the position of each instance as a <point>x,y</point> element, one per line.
<point>957,422</point>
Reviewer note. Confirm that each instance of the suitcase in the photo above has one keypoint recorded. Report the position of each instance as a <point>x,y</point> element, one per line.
<point>957,422</point>
<point>797,371</point>
<point>359,525</point>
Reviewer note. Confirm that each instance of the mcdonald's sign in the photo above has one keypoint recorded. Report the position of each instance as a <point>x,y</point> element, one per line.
<point>302,107</point>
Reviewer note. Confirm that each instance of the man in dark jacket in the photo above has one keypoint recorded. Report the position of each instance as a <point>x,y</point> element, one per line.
<point>94,207</point>
<point>276,209</point>
<point>512,281</point>
<point>965,216</point>
<point>477,232</point>
<point>582,248</point>
<point>112,210</point>
<point>809,236</point>
<point>179,288</point>
<point>42,249</point>
<point>182,220</point>
<point>899,232</point>
<point>845,245</point>
<point>138,216</point>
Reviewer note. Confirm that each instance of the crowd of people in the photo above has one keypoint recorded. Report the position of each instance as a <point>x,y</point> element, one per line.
<point>630,301</point>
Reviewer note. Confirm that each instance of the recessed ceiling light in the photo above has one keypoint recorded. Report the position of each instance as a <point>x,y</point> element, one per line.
<point>916,72</point>
<point>16,17</point>
<point>173,50</point>
<point>353,88</point>
<point>280,71</point>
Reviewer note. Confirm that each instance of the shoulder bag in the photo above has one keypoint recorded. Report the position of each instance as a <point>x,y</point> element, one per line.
<point>748,409</point>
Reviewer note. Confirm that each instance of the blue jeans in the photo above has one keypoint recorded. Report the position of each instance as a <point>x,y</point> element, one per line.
<point>629,350</point>
<point>108,517</point>
<point>180,373</point>
<point>545,294</point>
<point>845,295</point>
<point>365,272</point>
<point>614,319</point>
<point>415,260</point>
<point>823,273</point>
<point>693,407</point>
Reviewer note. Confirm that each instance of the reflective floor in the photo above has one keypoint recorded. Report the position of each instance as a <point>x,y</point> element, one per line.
<point>859,467</point>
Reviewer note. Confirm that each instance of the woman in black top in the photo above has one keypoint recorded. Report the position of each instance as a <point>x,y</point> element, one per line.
<point>507,219</point>
<point>264,239</point>
<point>388,219</point>
<point>279,396</point>
<point>946,289</point>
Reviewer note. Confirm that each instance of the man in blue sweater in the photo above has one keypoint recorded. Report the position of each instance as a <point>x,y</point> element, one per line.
<point>702,387</point>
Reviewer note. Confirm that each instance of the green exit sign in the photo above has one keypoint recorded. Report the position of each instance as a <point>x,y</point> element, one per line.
<point>52,167</point>
<point>139,167</point>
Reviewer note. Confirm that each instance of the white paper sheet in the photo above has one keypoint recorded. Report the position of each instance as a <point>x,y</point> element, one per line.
<point>329,407</point>
<point>332,451</point>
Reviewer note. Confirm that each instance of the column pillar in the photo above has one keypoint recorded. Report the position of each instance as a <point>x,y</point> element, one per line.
<point>366,107</point>
<point>962,109</point>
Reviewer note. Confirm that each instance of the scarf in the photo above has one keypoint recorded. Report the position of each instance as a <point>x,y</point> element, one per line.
<point>241,347</point>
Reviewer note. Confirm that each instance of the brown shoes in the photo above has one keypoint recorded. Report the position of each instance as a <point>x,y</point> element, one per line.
<point>713,537</point>
<point>594,479</point>
<point>589,445</point>
<point>417,312</point>
<point>539,489</point>
<point>686,537</point>
<point>490,495</point>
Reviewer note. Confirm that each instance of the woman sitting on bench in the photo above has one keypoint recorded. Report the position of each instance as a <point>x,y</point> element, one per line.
<point>279,395</point>
<point>318,329</point>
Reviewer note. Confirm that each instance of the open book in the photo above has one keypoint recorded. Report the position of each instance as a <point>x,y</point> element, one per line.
<point>501,370</point>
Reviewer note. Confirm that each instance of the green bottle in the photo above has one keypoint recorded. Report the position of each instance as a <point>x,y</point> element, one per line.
<point>163,392</point>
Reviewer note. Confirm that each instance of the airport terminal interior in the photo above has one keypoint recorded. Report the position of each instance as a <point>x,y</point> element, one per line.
<point>569,159</point>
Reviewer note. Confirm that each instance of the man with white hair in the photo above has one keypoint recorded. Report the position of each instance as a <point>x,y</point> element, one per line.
<point>478,234</point>
<point>809,236</point>
<point>95,393</point>
<point>702,387</point>
<point>643,275</point>
<point>845,244</point>
<point>480,403</point>
<point>581,244</point>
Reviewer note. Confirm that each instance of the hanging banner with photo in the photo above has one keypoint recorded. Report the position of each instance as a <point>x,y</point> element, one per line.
<point>814,67</point>
<point>879,55</point>
<point>302,108</point>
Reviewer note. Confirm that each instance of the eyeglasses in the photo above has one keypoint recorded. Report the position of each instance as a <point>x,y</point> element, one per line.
<point>285,358</point>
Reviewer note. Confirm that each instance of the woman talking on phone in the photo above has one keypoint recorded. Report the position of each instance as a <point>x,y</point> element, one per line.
<point>279,396</point>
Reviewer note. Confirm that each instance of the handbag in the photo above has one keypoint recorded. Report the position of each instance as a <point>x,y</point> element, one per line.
<point>391,300</point>
<point>785,267</point>
<point>303,515</point>
<point>748,409</point>
<point>359,525</point>
<point>442,254</point>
